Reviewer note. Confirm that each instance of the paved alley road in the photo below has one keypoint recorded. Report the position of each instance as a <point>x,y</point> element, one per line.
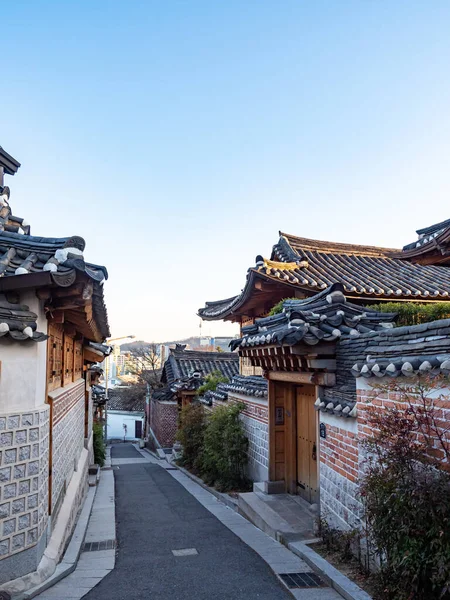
<point>156,515</point>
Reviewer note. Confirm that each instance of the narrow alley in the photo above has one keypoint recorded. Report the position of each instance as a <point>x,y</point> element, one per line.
<point>177,543</point>
<point>155,516</point>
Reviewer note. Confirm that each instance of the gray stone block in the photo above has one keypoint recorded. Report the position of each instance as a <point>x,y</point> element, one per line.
<point>34,435</point>
<point>2,422</point>
<point>9,527</point>
<point>24,521</point>
<point>33,468</point>
<point>5,510</point>
<point>18,506</point>
<point>35,517</point>
<point>35,451</point>
<point>18,541</point>
<point>32,501</point>
<point>24,452</point>
<point>19,471</point>
<point>10,456</point>
<point>6,439</point>
<point>27,420</point>
<point>4,547</point>
<point>21,436</point>
<point>5,474</point>
<point>10,490</point>
<point>24,487</point>
<point>32,536</point>
<point>13,422</point>
<point>35,484</point>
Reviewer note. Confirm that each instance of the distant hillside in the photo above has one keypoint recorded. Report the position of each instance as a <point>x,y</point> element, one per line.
<point>192,341</point>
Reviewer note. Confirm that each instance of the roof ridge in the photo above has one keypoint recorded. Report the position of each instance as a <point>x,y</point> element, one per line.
<point>326,246</point>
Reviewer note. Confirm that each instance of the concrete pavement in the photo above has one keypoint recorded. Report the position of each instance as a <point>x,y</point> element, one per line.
<point>177,541</point>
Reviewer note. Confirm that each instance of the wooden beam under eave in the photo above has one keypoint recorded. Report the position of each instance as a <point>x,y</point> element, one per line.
<point>324,379</point>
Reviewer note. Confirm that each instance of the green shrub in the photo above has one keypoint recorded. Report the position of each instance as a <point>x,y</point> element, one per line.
<point>225,449</point>
<point>212,380</point>
<point>278,308</point>
<point>99,445</point>
<point>412,313</point>
<point>191,433</point>
<point>406,495</point>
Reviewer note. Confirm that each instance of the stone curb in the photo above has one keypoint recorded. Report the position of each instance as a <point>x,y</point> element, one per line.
<point>224,498</point>
<point>334,578</point>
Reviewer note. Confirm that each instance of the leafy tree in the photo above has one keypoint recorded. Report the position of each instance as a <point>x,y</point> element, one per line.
<point>144,364</point>
<point>191,434</point>
<point>406,492</point>
<point>99,445</point>
<point>278,308</point>
<point>212,380</point>
<point>413,313</point>
<point>225,449</point>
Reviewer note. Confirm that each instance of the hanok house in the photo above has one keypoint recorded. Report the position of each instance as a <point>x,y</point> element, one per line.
<point>298,351</point>
<point>125,417</point>
<point>51,309</point>
<point>183,373</point>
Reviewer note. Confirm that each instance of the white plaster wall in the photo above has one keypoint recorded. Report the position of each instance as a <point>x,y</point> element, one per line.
<point>23,366</point>
<point>116,420</point>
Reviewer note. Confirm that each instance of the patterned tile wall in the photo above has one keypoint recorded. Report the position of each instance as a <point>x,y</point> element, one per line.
<point>68,437</point>
<point>24,455</point>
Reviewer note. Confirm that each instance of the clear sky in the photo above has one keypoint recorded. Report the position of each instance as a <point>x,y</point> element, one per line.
<point>178,137</point>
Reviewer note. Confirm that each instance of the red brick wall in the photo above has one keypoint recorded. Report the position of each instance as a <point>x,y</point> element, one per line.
<point>339,451</point>
<point>164,419</point>
<point>369,400</point>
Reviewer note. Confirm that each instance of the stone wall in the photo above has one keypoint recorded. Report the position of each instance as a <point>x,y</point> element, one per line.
<point>68,414</point>
<point>164,421</point>
<point>24,455</point>
<point>255,418</point>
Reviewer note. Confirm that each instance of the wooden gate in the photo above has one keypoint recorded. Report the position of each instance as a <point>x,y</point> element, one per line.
<point>307,469</point>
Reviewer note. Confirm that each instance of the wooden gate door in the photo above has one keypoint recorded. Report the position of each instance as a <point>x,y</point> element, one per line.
<point>138,429</point>
<point>306,444</point>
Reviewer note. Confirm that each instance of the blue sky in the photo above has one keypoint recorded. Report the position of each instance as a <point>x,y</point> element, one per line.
<point>179,137</point>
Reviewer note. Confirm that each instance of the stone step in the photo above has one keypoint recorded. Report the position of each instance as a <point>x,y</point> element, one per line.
<point>263,514</point>
<point>94,475</point>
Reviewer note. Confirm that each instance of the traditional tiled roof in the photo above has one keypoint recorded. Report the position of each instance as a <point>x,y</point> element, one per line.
<point>184,363</point>
<point>337,406</point>
<point>406,351</point>
<point>18,322</point>
<point>61,257</point>
<point>31,261</point>
<point>326,317</point>
<point>366,272</point>
<point>252,385</point>
<point>117,400</point>
<point>428,234</point>
<point>102,348</point>
<point>164,394</point>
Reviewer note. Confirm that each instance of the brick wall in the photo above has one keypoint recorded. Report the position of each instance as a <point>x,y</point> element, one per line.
<point>163,421</point>
<point>339,469</point>
<point>68,414</point>
<point>370,399</point>
<point>341,456</point>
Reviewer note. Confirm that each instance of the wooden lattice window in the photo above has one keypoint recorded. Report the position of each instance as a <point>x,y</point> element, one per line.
<point>78,360</point>
<point>54,356</point>
<point>68,360</point>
